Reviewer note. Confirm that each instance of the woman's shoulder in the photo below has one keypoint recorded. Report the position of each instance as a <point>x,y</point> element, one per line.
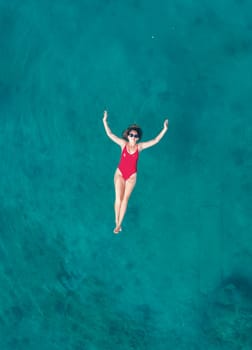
<point>123,144</point>
<point>139,147</point>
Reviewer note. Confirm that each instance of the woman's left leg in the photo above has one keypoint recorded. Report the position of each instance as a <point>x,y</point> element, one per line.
<point>119,193</point>
<point>129,186</point>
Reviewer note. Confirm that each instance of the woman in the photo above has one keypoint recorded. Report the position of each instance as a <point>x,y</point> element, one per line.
<point>126,173</point>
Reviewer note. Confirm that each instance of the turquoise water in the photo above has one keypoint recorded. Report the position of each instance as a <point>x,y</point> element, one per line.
<point>179,275</point>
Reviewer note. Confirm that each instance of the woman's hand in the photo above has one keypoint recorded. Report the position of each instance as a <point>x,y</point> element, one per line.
<point>105,116</point>
<point>166,124</point>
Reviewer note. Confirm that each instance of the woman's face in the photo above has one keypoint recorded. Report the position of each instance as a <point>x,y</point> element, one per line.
<point>133,136</point>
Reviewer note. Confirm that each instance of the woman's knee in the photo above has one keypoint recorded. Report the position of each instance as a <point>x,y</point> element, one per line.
<point>126,198</point>
<point>118,201</point>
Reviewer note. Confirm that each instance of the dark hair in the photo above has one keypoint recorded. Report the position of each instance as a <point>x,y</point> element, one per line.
<point>134,127</point>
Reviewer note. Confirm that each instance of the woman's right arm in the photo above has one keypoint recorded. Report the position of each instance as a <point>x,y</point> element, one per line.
<point>113,137</point>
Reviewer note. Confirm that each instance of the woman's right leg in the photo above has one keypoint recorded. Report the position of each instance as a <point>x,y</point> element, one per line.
<point>129,186</point>
<point>119,194</point>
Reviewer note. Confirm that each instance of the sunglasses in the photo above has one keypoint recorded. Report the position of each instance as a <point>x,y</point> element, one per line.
<point>133,135</point>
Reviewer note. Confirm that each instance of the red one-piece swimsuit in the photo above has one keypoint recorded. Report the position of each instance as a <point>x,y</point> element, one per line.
<point>128,163</point>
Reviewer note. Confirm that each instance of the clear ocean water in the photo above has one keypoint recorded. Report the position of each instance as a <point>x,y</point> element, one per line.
<point>179,275</point>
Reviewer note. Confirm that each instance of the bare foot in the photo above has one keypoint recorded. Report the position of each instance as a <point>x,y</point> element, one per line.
<point>117,229</point>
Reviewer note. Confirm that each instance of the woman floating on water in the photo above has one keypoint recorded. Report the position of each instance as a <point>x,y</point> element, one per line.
<point>126,173</point>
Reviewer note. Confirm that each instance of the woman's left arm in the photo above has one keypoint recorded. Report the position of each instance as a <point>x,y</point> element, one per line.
<point>144,145</point>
